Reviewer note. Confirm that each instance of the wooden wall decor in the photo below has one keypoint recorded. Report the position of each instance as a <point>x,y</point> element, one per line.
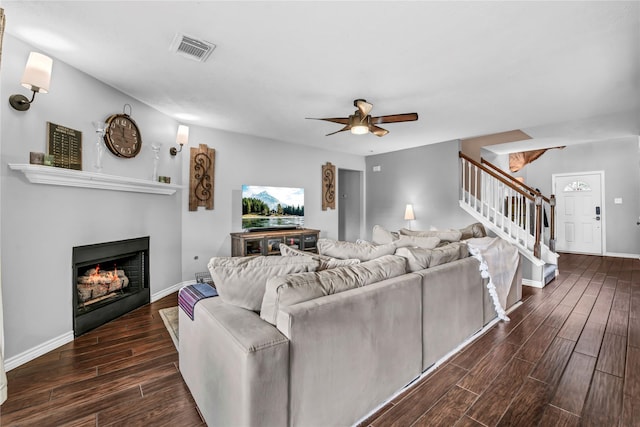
<point>328,186</point>
<point>201,178</point>
<point>2,24</point>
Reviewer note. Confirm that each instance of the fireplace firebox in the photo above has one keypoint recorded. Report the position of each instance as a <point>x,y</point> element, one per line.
<point>109,280</point>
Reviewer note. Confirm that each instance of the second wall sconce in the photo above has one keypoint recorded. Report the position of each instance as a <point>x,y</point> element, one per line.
<point>182,139</point>
<point>36,77</point>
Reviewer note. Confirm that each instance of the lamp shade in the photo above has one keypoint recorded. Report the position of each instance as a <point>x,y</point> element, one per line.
<point>183,135</point>
<point>408,213</point>
<point>37,73</point>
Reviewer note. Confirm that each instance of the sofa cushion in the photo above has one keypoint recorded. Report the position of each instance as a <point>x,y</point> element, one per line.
<point>417,242</point>
<point>421,258</point>
<point>443,235</point>
<point>241,281</point>
<point>324,262</point>
<point>473,230</point>
<point>349,250</point>
<point>382,236</point>
<point>295,288</point>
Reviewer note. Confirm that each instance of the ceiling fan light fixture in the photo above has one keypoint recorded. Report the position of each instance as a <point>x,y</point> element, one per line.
<point>359,129</point>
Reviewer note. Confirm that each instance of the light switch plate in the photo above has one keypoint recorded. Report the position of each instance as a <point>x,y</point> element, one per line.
<point>617,200</point>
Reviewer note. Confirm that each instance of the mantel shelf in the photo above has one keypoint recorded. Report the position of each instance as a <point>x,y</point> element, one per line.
<point>50,175</point>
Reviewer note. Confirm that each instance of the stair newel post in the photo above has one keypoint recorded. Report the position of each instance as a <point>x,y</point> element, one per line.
<point>552,224</point>
<point>537,247</point>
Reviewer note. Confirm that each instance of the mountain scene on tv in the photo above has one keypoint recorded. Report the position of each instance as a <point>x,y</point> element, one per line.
<point>272,207</point>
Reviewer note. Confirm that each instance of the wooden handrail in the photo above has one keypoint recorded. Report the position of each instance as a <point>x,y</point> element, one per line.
<point>528,193</point>
<point>506,182</point>
<point>503,173</point>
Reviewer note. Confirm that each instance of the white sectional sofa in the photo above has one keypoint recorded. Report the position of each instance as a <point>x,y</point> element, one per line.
<point>330,346</point>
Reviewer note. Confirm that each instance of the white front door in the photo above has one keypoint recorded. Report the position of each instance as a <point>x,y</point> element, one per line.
<point>579,212</point>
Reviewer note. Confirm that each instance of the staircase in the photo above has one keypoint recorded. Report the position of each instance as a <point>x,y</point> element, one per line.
<point>514,212</point>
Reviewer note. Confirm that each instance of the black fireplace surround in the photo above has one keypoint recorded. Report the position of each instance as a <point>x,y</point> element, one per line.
<point>129,257</point>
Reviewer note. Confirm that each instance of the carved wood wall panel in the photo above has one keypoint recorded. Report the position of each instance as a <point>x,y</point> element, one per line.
<point>201,177</point>
<point>328,186</point>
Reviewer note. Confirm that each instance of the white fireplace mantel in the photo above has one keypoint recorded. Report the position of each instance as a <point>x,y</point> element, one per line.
<point>50,175</point>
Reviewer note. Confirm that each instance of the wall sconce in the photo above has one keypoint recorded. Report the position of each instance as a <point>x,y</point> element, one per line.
<point>36,77</point>
<point>409,215</point>
<point>182,138</point>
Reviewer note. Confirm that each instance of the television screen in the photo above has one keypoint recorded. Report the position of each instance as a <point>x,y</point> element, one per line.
<point>272,207</point>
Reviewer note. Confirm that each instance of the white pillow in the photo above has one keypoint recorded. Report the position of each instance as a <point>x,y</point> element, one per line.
<point>241,281</point>
<point>296,288</point>
<point>443,235</point>
<point>417,242</point>
<point>324,262</point>
<point>347,250</point>
<point>421,258</point>
<point>382,236</point>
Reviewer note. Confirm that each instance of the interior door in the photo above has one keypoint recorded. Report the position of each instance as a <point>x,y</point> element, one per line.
<point>579,212</point>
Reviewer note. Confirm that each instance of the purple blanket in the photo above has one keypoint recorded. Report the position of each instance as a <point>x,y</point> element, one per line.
<point>189,295</point>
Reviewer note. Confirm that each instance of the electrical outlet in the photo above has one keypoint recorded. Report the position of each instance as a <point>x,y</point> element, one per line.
<point>617,200</point>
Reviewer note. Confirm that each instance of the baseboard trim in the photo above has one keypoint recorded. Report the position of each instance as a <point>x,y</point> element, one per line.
<point>171,289</point>
<point>67,337</point>
<point>622,255</point>
<point>532,283</point>
<point>37,351</point>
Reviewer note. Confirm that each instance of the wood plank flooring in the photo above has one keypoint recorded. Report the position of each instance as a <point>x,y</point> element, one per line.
<point>570,356</point>
<point>124,373</point>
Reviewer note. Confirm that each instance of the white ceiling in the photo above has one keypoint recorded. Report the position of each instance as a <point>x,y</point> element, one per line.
<point>467,68</point>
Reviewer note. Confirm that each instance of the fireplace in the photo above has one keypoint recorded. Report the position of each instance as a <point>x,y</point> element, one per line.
<point>109,280</point>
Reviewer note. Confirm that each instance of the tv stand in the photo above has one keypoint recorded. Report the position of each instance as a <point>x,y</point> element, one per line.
<point>283,228</point>
<point>268,242</point>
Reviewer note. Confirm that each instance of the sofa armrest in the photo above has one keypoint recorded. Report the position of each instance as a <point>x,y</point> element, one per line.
<point>235,364</point>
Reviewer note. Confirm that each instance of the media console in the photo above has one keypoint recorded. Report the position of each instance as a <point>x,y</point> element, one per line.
<point>268,242</point>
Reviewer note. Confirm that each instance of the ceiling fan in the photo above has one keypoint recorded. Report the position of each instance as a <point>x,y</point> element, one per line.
<point>360,122</point>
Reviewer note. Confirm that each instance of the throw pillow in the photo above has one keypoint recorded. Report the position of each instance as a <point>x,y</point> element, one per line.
<point>346,250</point>
<point>443,235</point>
<point>325,262</point>
<point>382,236</point>
<point>296,288</point>
<point>241,281</point>
<point>417,241</point>
<point>421,258</point>
<point>473,230</point>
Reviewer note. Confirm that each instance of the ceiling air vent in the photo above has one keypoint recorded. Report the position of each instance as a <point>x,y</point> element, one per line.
<point>192,48</point>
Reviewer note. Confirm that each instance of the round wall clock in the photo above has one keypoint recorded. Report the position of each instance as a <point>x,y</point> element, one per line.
<point>122,136</point>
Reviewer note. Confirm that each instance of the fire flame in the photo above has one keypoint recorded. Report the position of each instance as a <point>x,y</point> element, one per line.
<point>113,275</point>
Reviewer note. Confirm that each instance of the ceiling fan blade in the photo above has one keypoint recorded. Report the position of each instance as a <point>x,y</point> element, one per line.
<point>341,120</point>
<point>377,131</point>
<point>395,118</point>
<point>347,127</point>
<point>363,106</point>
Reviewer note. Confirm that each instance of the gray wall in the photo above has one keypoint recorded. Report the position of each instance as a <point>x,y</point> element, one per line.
<point>620,161</point>
<point>426,177</point>
<point>350,204</point>
<point>41,223</point>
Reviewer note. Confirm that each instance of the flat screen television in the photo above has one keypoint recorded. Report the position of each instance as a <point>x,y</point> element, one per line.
<point>272,208</point>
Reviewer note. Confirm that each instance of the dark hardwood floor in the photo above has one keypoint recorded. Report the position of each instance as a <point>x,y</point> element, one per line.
<point>570,356</point>
<point>124,373</point>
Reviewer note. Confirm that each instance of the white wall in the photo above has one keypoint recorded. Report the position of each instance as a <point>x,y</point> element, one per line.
<point>426,177</point>
<point>41,223</point>
<point>244,159</point>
